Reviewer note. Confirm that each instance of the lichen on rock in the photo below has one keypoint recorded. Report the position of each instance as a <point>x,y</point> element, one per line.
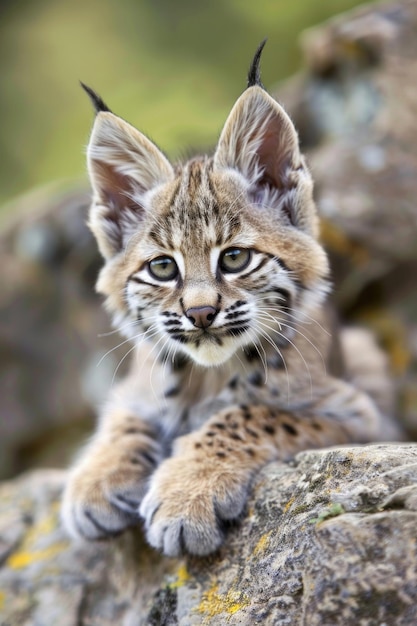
<point>327,539</point>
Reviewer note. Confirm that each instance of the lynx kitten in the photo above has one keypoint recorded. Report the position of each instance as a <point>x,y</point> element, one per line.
<point>214,272</point>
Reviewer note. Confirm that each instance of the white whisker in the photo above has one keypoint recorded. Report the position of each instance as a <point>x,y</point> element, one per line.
<point>119,364</point>
<point>295,348</point>
<point>296,330</point>
<point>267,338</point>
<point>140,336</point>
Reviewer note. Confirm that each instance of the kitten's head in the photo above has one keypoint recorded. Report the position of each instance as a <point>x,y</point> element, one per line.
<point>214,255</point>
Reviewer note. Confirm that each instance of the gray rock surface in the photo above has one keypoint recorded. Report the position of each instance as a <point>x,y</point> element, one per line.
<point>329,539</point>
<point>50,321</point>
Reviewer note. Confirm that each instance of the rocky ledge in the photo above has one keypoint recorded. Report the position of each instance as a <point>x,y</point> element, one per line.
<point>328,539</point>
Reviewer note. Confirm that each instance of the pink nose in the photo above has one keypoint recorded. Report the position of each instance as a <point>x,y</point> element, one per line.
<point>201,316</point>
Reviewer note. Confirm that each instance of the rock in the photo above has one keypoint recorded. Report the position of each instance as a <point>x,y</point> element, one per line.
<point>327,539</point>
<point>51,375</point>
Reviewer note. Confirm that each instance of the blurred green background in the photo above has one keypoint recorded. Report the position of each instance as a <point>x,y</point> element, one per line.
<point>172,68</point>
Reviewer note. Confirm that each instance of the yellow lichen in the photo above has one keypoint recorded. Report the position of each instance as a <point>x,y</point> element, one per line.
<point>28,552</point>
<point>182,577</point>
<point>262,544</point>
<point>213,603</point>
<point>22,559</point>
<point>289,504</point>
<point>2,599</point>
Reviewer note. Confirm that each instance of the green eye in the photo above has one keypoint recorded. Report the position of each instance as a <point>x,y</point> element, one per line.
<point>234,259</point>
<point>163,268</point>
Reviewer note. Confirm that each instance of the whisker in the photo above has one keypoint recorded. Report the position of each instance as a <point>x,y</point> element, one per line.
<point>263,359</point>
<point>296,349</point>
<point>288,312</point>
<point>267,338</point>
<point>122,343</point>
<point>119,364</point>
<point>118,329</point>
<point>166,340</point>
<point>296,330</point>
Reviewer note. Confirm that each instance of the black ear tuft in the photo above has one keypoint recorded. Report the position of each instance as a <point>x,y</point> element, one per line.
<point>254,74</point>
<point>98,103</point>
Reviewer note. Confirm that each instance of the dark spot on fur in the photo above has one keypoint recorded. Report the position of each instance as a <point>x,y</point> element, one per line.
<point>234,315</point>
<point>252,433</point>
<point>235,436</point>
<point>250,452</point>
<point>210,433</point>
<point>256,379</point>
<point>270,430</point>
<point>251,354</point>
<point>234,382</point>
<point>221,455</point>
<point>173,391</point>
<point>172,323</point>
<point>245,412</point>
<point>316,426</point>
<point>284,297</point>
<point>180,338</point>
<point>132,431</point>
<point>179,362</point>
<point>184,416</point>
<point>277,362</point>
<point>197,445</point>
<point>289,428</point>
<point>219,425</point>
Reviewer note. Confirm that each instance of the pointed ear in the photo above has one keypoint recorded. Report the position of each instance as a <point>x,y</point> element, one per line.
<point>123,165</point>
<point>260,141</point>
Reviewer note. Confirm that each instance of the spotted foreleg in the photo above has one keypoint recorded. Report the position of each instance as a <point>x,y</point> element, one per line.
<point>205,483</point>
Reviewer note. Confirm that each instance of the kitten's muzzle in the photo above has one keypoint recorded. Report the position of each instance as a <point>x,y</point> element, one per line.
<point>201,316</point>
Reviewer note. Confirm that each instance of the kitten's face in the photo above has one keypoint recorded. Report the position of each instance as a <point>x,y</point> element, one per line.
<point>217,255</point>
<point>207,271</point>
<point>205,282</point>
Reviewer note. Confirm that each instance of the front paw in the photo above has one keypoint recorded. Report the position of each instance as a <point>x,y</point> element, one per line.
<point>103,493</point>
<point>188,505</point>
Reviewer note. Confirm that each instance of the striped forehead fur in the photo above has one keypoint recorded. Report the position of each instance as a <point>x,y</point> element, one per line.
<point>194,214</point>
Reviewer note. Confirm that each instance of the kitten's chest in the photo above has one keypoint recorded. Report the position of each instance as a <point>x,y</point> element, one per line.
<point>203,392</point>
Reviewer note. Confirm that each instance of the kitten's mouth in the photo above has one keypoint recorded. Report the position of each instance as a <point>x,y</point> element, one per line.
<point>213,346</point>
<point>218,335</point>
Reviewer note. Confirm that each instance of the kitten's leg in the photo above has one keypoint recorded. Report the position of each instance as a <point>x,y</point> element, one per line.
<point>206,482</point>
<point>107,484</point>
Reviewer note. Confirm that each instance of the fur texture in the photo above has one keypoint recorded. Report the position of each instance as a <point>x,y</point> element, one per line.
<point>214,273</point>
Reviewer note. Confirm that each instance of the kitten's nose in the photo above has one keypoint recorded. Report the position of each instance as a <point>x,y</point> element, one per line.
<point>201,316</point>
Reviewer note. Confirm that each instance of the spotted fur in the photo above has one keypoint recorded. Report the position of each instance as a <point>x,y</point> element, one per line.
<point>214,273</point>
